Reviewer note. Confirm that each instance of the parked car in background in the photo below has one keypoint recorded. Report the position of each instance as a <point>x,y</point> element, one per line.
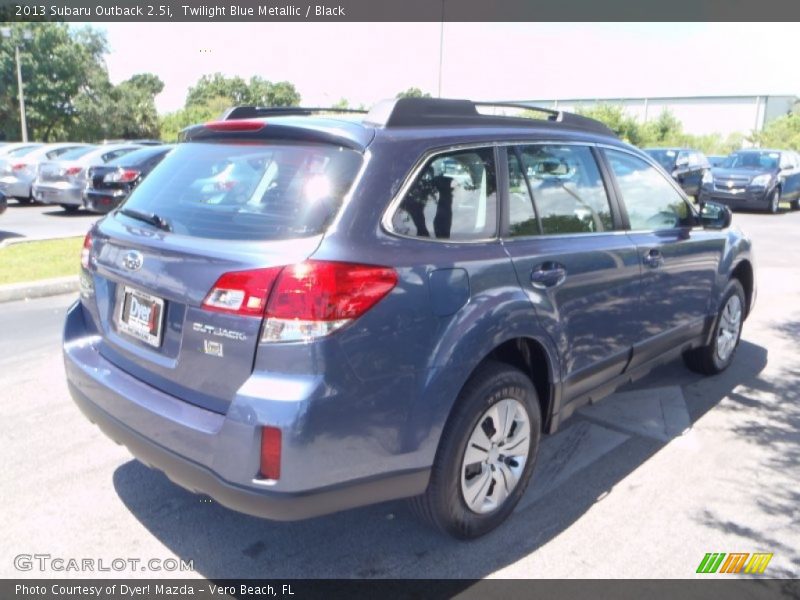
<point>756,179</point>
<point>391,308</point>
<point>11,146</point>
<point>715,160</point>
<point>686,166</point>
<point>108,185</point>
<point>62,181</point>
<point>138,142</point>
<point>18,168</point>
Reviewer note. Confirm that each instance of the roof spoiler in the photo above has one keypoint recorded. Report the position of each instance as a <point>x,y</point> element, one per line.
<point>438,112</point>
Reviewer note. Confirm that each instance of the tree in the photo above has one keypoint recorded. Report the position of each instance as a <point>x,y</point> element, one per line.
<point>67,91</point>
<point>617,120</point>
<point>783,132</point>
<point>172,123</point>
<point>413,92</point>
<point>664,131</point>
<point>57,65</point>
<point>257,91</point>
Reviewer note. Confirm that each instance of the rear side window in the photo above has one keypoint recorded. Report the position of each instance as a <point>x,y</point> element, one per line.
<point>453,198</point>
<point>651,201</point>
<point>567,188</point>
<point>248,192</point>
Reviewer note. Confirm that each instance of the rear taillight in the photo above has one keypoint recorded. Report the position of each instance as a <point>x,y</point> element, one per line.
<point>73,171</point>
<point>86,251</point>
<point>270,467</point>
<point>121,176</point>
<point>19,166</point>
<point>315,298</point>
<point>303,301</point>
<point>242,292</point>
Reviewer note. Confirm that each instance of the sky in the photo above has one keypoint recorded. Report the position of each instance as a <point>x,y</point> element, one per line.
<point>366,62</point>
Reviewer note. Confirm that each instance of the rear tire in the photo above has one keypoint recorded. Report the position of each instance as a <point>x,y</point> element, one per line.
<point>718,355</point>
<point>27,200</point>
<point>795,204</point>
<point>495,481</point>
<point>70,208</point>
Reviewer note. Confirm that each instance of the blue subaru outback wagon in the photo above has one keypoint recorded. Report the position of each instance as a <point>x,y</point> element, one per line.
<point>299,313</point>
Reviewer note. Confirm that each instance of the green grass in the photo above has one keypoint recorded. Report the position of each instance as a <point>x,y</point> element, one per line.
<point>32,261</point>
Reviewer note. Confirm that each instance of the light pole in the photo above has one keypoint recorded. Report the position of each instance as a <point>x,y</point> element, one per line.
<point>441,51</point>
<point>26,35</point>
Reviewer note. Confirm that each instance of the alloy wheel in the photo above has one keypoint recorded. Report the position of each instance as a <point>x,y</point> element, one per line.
<point>730,324</point>
<point>495,457</point>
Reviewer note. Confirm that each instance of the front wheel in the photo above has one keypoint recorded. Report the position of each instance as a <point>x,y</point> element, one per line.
<point>486,454</point>
<point>773,204</point>
<point>718,355</point>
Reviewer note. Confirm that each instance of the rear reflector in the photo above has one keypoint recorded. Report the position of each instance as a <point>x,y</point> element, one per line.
<point>235,125</point>
<point>270,453</point>
<point>86,251</point>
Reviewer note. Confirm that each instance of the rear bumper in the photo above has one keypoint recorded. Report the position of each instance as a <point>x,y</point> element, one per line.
<point>211,453</point>
<point>278,506</point>
<point>103,201</point>
<point>57,194</point>
<point>13,187</point>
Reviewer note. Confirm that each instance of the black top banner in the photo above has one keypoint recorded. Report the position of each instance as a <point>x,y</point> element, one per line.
<point>400,10</point>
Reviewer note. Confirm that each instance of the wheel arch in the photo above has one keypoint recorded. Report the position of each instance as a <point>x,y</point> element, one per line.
<point>743,272</point>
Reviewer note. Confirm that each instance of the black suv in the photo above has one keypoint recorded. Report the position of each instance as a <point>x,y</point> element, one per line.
<point>688,167</point>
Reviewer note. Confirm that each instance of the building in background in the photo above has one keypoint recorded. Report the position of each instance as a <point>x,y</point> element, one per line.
<point>700,115</point>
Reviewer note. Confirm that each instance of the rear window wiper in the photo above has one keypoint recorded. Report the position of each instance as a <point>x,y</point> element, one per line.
<point>151,218</point>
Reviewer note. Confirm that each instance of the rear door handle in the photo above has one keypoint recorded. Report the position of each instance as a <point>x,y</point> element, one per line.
<point>549,274</point>
<point>653,258</point>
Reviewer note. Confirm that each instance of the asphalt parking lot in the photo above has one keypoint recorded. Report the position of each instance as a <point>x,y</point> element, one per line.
<point>642,485</point>
<point>42,221</point>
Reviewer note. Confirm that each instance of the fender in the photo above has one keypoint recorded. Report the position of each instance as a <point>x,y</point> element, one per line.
<point>468,338</point>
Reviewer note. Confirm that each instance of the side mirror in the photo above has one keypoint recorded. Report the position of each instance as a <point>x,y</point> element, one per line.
<point>3,203</point>
<point>715,216</point>
<point>682,162</point>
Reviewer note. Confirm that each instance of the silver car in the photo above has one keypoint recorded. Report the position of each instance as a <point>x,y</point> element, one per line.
<point>62,181</point>
<point>18,167</point>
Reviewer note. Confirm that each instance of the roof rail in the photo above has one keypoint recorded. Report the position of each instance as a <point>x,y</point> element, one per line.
<point>252,112</point>
<point>433,112</point>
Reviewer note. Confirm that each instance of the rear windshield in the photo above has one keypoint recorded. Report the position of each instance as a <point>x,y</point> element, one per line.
<point>77,152</point>
<point>23,151</point>
<point>666,158</point>
<point>137,157</point>
<point>248,192</point>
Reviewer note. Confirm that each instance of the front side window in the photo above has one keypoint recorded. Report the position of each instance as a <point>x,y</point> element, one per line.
<point>453,198</point>
<point>567,189</point>
<point>651,201</point>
